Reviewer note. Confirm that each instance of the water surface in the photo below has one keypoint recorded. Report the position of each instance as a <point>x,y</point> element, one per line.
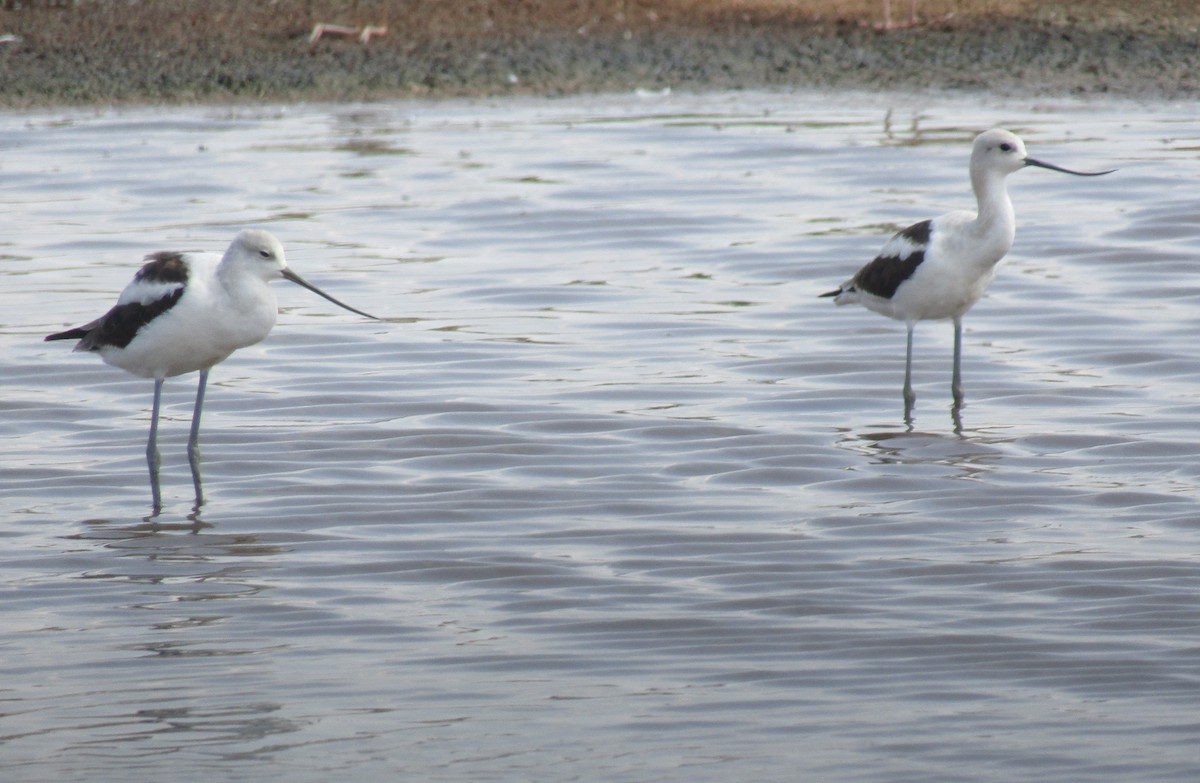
<point>611,495</point>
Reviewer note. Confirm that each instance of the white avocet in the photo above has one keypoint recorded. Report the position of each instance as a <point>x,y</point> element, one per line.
<point>186,312</point>
<point>937,269</point>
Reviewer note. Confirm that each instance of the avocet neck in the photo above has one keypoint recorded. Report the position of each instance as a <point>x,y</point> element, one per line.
<point>995,221</point>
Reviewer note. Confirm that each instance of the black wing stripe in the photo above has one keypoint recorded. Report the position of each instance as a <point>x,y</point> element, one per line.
<point>121,324</point>
<point>884,275</point>
<point>78,333</point>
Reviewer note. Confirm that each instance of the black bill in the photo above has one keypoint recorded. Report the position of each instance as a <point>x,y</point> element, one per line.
<point>1052,167</point>
<point>288,274</point>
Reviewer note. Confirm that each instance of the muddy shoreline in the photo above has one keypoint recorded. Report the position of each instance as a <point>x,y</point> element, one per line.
<point>154,52</point>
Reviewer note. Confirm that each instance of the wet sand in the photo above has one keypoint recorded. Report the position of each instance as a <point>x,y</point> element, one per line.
<point>173,51</point>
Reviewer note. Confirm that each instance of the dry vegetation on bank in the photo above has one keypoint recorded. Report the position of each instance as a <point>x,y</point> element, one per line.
<point>181,50</point>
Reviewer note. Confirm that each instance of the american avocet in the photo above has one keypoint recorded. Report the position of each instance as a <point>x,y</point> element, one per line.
<point>185,312</point>
<point>937,269</point>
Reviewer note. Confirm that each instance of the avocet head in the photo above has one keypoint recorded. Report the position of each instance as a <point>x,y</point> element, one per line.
<point>259,253</point>
<point>262,252</point>
<point>1004,152</point>
<point>998,150</point>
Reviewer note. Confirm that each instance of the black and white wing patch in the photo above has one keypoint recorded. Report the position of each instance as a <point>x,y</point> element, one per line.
<point>896,262</point>
<point>155,289</point>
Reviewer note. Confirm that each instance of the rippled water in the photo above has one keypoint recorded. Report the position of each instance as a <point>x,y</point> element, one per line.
<point>612,495</point>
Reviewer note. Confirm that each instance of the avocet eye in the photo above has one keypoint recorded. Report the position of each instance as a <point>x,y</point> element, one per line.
<point>265,253</point>
<point>1006,147</point>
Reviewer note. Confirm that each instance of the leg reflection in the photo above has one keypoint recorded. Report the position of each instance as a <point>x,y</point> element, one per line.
<point>956,416</point>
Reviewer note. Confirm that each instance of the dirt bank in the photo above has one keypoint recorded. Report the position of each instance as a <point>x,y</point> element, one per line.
<point>103,51</point>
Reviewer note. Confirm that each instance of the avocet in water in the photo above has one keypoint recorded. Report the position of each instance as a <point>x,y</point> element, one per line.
<point>937,269</point>
<point>186,312</point>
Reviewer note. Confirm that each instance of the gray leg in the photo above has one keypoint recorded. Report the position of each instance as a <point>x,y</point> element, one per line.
<point>956,387</point>
<point>909,396</point>
<point>152,458</point>
<point>152,445</point>
<point>193,440</point>
<point>193,447</point>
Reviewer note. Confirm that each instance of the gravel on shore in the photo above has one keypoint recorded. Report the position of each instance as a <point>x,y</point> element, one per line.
<point>173,51</point>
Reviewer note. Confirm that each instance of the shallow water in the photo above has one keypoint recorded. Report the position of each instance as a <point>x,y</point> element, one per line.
<point>612,495</point>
